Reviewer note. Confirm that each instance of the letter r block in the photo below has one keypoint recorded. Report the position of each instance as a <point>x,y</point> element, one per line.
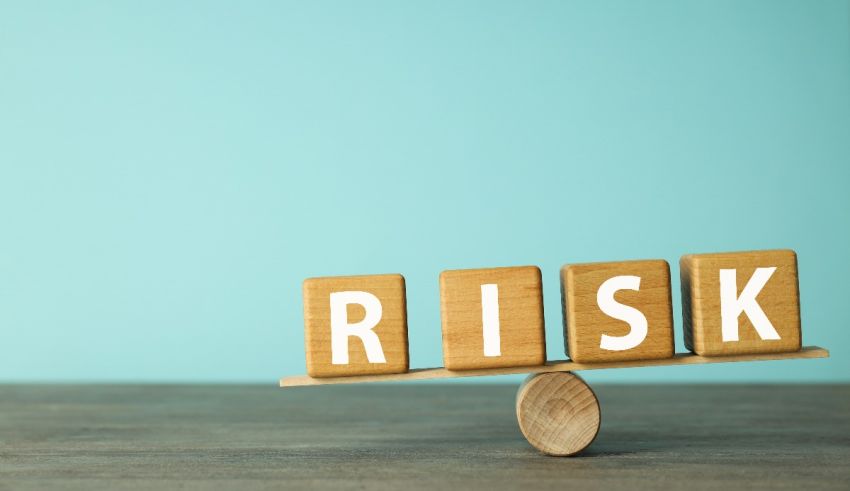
<point>492,318</point>
<point>617,311</point>
<point>355,325</point>
<point>741,302</point>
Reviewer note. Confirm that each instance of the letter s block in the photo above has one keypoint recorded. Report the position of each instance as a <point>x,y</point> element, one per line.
<point>617,311</point>
<point>741,302</point>
<point>355,325</point>
<point>492,318</point>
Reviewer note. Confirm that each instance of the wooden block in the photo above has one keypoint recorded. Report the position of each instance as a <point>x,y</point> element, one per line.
<point>503,306</point>
<point>741,302</point>
<point>617,311</point>
<point>355,325</point>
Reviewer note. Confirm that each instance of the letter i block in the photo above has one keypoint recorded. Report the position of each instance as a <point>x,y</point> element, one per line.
<point>492,318</point>
<point>741,302</point>
<point>355,325</point>
<point>617,311</point>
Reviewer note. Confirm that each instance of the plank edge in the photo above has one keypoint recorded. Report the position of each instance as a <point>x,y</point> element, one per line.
<point>807,352</point>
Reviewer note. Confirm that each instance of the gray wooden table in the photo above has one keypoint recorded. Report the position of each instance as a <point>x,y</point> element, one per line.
<point>416,436</point>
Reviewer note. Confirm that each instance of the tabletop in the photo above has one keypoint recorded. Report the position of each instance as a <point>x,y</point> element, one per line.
<point>415,436</point>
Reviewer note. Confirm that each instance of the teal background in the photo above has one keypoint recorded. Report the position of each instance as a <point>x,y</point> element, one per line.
<point>171,171</point>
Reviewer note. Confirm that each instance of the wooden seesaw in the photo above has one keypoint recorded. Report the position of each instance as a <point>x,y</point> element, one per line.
<point>736,307</point>
<point>557,411</point>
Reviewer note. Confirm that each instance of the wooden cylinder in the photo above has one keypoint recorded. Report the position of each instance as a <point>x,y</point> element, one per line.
<point>558,413</point>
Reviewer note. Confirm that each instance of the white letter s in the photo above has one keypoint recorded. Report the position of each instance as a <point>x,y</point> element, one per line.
<point>635,318</point>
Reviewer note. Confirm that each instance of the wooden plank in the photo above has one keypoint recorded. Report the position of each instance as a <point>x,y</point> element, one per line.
<point>552,366</point>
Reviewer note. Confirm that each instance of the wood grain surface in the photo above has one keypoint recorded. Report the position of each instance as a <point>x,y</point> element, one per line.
<point>585,322</point>
<point>391,330</point>
<point>557,412</point>
<point>553,366</point>
<point>422,436</point>
<point>779,299</point>
<point>521,324</point>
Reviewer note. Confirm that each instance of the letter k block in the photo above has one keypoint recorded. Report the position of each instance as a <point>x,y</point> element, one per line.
<point>741,302</point>
<point>355,325</point>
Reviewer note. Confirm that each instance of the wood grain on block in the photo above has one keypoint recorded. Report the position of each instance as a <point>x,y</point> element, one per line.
<point>558,413</point>
<point>492,318</point>
<point>741,302</point>
<point>809,352</point>
<point>370,319</point>
<point>608,306</point>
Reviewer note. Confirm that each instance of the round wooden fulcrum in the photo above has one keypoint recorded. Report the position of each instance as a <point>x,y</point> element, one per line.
<point>558,413</point>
